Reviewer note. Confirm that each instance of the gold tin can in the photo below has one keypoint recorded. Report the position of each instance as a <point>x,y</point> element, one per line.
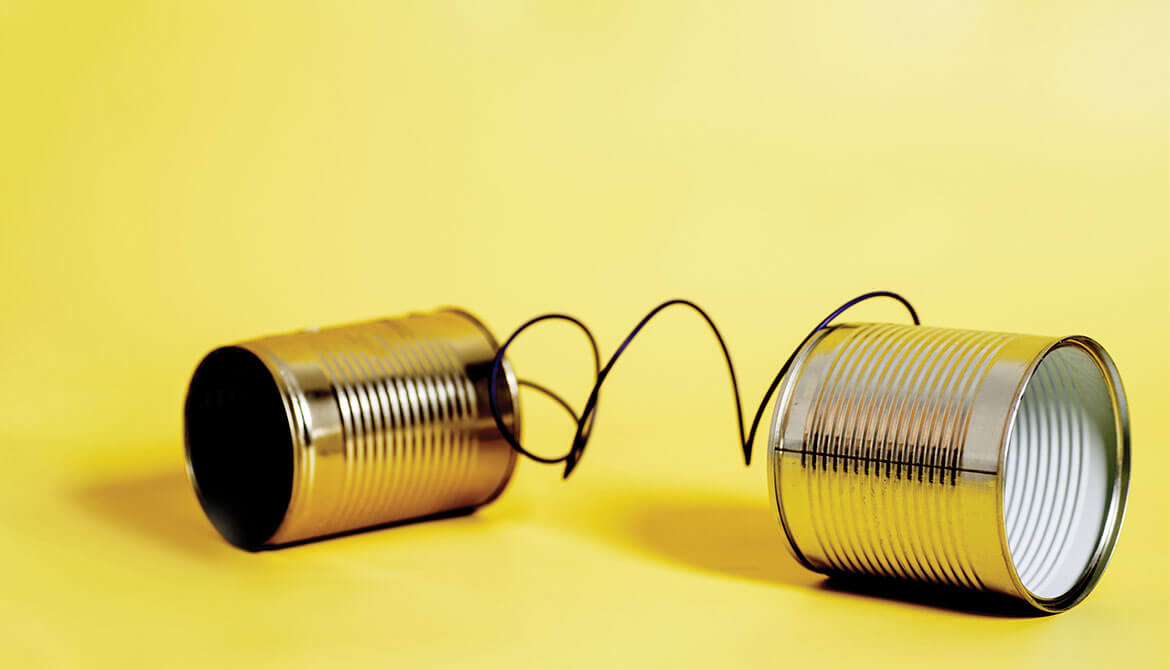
<point>987,461</point>
<point>313,433</point>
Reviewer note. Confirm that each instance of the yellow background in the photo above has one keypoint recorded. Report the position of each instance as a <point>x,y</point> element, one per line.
<point>175,176</point>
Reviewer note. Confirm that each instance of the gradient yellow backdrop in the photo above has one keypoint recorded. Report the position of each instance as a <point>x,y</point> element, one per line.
<point>179,175</point>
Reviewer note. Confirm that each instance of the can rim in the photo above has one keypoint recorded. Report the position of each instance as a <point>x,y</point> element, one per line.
<point>293,415</point>
<point>513,393</point>
<point>775,436</point>
<point>1113,516</point>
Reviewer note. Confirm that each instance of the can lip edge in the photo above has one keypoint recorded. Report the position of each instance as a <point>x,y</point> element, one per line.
<point>783,397</point>
<point>513,391</point>
<point>1119,487</point>
<point>283,392</point>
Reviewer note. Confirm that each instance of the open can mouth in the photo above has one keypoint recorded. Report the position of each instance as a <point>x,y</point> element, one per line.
<point>239,446</point>
<point>1065,474</point>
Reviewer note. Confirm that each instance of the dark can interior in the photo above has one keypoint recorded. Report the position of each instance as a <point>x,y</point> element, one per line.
<point>239,446</point>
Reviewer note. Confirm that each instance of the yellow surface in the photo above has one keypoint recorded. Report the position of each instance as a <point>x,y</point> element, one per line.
<point>176,176</point>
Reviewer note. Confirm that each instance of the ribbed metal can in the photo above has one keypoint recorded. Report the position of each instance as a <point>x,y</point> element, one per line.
<point>313,433</point>
<point>988,461</point>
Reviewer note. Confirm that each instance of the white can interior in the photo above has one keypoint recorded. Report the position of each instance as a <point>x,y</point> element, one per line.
<point>1059,471</point>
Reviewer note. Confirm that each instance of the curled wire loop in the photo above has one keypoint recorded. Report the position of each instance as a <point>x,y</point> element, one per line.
<point>585,420</point>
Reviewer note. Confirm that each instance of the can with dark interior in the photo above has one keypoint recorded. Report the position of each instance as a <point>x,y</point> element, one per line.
<point>323,431</point>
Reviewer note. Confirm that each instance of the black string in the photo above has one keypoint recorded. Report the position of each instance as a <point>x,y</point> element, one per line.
<point>585,420</point>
